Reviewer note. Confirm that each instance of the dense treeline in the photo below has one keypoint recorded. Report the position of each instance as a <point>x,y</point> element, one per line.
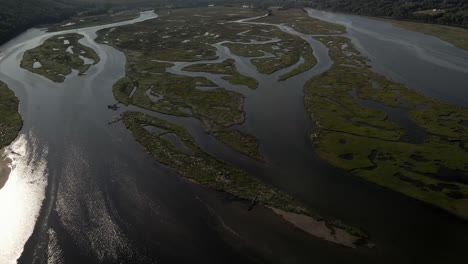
<point>19,15</point>
<point>16,16</point>
<point>448,12</point>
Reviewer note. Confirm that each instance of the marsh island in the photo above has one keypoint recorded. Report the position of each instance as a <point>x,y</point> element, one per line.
<point>212,66</point>
<point>364,123</point>
<point>58,56</point>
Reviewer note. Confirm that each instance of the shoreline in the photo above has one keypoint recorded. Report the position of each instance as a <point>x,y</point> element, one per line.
<point>320,228</point>
<point>5,169</point>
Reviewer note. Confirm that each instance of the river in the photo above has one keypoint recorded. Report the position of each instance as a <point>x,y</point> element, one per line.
<point>83,191</point>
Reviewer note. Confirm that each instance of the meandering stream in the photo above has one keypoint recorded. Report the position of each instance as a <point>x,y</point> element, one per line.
<point>83,191</point>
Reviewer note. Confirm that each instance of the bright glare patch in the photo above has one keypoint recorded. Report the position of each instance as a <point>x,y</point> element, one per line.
<point>21,198</point>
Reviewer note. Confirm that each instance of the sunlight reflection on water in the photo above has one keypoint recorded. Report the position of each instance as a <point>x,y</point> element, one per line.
<point>21,197</point>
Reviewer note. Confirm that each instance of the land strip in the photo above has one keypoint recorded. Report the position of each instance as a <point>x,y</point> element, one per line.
<point>300,21</point>
<point>454,35</point>
<point>192,162</point>
<point>182,37</point>
<point>10,125</point>
<point>189,36</point>
<point>58,56</point>
<point>350,106</point>
<point>90,21</point>
<point>228,68</point>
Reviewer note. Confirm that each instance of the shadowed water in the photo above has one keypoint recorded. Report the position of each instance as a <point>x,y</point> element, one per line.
<point>107,200</point>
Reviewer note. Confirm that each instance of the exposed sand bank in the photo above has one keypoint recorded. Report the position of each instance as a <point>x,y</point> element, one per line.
<point>318,228</point>
<point>4,168</point>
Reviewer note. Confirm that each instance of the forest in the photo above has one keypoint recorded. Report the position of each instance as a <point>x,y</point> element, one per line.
<point>19,15</point>
<point>446,12</point>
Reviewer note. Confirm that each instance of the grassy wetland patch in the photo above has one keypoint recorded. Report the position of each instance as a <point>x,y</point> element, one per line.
<point>302,22</point>
<point>179,35</point>
<point>245,144</point>
<point>278,51</point>
<point>454,35</point>
<point>228,68</point>
<point>58,56</point>
<point>348,105</point>
<point>90,21</point>
<point>10,119</point>
<point>183,36</point>
<point>284,53</point>
<point>199,166</point>
<point>188,35</point>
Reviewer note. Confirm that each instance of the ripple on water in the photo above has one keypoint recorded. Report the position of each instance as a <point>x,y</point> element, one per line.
<point>54,252</point>
<point>22,196</point>
<point>88,219</point>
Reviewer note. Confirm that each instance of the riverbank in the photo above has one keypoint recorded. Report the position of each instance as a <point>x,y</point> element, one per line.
<point>319,228</point>
<point>454,35</point>
<point>58,56</point>
<point>153,83</point>
<point>387,133</point>
<point>173,146</point>
<point>125,195</point>
<point>226,67</point>
<point>5,169</point>
<point>10,125</point>
<point>90,21</point>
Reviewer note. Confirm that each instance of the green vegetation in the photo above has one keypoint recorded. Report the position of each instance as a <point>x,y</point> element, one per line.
<point>285,55</point>
<point>347,104</point>
<point>309,63</point>
<point>179,95</point>
<point>245,144</point>
<point>90,21</point>
<point>10,119</point>
<point>455,12</point>
<point>147,84</point>
<point>245,50</point>
<point>57,56</point>
<point>19,16</point>
<point>239,79</point>
<point>432,12</point>
<point>182,36</point>
<point>198,165</point>
<point>205,169</point>
<point>302,22</point>
<point>227,67</point>
<point>454,35</point>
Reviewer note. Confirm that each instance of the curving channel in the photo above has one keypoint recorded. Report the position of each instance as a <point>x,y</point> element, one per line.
<point>83,191</point>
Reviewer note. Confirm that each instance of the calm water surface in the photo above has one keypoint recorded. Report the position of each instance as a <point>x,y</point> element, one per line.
<point>95,195</point>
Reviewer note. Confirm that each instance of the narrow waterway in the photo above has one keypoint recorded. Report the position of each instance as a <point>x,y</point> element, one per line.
<point>82,191</point>
<point>422,62</point>
<point>86,192</point>
<point>402,228</point>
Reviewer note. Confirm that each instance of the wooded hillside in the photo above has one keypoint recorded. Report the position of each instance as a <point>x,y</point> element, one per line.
<point>447,12</point>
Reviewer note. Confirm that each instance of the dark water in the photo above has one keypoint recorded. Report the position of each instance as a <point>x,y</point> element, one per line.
<point>425,63</point>
<point>108,201</point>
<point>412,132</point>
